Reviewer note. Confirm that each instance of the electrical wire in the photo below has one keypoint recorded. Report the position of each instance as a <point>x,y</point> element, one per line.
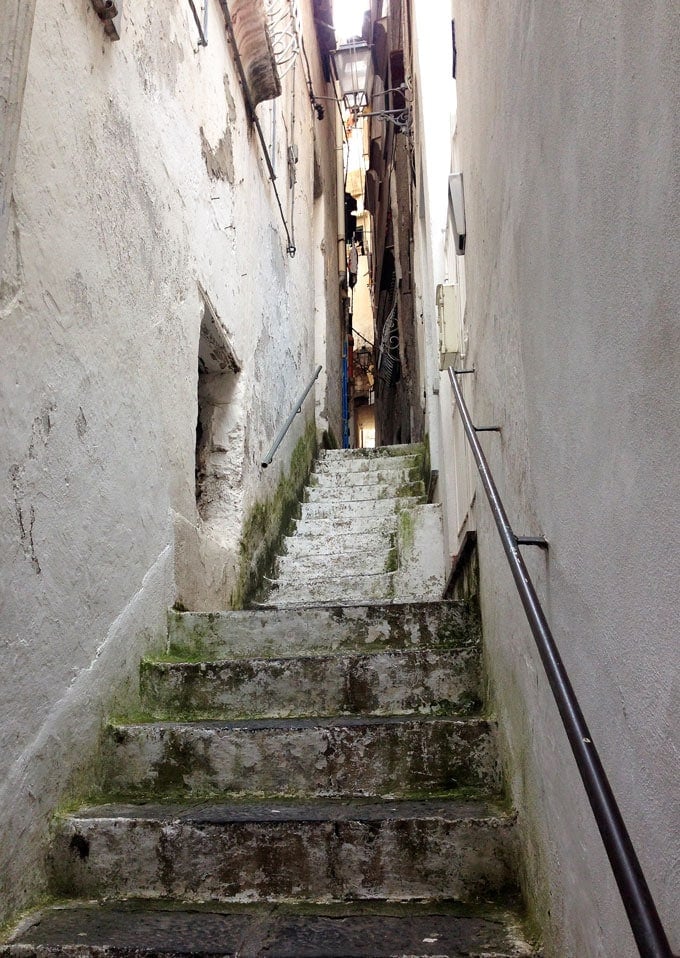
<point>290,248</point>
<point>361,336</point>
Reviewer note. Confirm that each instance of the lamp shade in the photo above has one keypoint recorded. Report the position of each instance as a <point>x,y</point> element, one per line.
<point>354,69</point>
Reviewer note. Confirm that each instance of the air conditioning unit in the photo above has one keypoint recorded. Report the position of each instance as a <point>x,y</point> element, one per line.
<point>448,320</point>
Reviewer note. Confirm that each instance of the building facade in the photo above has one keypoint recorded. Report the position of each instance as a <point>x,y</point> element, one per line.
<point>565,304</point>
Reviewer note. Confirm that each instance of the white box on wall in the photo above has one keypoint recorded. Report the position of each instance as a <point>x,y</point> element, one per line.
<point>448,321</point>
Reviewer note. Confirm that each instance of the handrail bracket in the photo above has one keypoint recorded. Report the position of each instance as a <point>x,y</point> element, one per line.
<point>539,541</point>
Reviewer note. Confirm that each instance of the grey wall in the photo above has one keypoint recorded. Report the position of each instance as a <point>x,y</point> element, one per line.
<point>569,133</point>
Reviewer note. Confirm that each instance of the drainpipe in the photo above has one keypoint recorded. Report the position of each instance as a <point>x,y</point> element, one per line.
<point>345,392</point>
<point>340,168</point>
<point>342,274</point>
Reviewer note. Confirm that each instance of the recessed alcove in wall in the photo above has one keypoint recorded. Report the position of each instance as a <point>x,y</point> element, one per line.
<point>219,421</point>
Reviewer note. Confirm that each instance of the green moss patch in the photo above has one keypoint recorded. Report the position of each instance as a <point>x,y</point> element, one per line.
<point>269,520</point>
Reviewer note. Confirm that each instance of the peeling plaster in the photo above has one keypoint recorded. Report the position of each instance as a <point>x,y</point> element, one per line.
<point>219,160</point>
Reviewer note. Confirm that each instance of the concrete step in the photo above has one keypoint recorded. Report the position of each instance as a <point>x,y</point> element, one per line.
<point>361,628</point>
<point>334,757</point>
<point>336,493</point>
<point>352,478</point>
<point>341,546</point>
<point>353,526</point>
<point>384,453</point>
<point>341,683</point>
<point>296,590</point>
<point>349,510</point>
<point>319,850</point>
<point>322,564</point>
<point>135,929</point>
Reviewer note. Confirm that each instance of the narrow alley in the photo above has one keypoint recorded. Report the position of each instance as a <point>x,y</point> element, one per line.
<point>340,502</point>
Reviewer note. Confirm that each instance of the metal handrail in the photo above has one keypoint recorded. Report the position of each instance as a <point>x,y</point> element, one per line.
<point>297,408</point>
<point>202,41</point>
<point>643,916</point>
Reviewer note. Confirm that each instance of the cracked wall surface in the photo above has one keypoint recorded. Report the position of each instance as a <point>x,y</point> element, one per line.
<point>134,198</point>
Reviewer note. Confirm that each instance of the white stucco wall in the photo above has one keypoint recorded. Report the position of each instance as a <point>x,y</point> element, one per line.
<point>434,106</point>
<point>138,178</point>
<point>568,123</point>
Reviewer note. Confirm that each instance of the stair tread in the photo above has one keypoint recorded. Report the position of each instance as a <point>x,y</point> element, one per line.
<point>336,930</point>
<point>342,509</point>
<point>316,655</point>
<point>325,565</point>
<point>344,546</point>
<point>333,577</point>
<point>331,722</point>
<point>393,500</point>
<point>377,452</point>
<point>348,545</point>
<point>297,810</point>
<point>356,479</point>
<point>384,489</point>
<point>313,629</point>
<point>321,526</point>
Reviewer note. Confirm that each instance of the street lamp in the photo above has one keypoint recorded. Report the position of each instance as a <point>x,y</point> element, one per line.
<point>353,63</point>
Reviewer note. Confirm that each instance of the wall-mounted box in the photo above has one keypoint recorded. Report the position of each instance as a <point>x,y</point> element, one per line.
<point>448,321</point>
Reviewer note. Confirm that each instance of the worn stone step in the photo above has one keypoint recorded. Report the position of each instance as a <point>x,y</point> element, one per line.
<point>333,527</point>
<point>341,546</point>
<point>385,682</point>
<point>352,478</point>
<point>128,929</point>
<point>366,470</point>
<point>323,850</point>
<point>336,757</point>
<point>330,589</point>
<point>384,453</point>
<point>350,510</point>
<point>334,492</point>
<point>315,565</point>
<point>292,632</point>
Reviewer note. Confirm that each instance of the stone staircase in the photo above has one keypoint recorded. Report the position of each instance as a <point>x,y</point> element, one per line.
<point>365,533</point>
<point>310,781</point>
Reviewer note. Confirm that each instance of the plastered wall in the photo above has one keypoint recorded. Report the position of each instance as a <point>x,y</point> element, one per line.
<point>138,184</point>
<point>569,145</point>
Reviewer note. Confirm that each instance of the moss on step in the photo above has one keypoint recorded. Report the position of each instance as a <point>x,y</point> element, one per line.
<point>411,489</point>
<point>465,628</point>
<point>178,654</point>
<point>406,531</point>
<point>170,791</point>
<point>38,904</point>
<point>194,647</point>
<point>269,520</point>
